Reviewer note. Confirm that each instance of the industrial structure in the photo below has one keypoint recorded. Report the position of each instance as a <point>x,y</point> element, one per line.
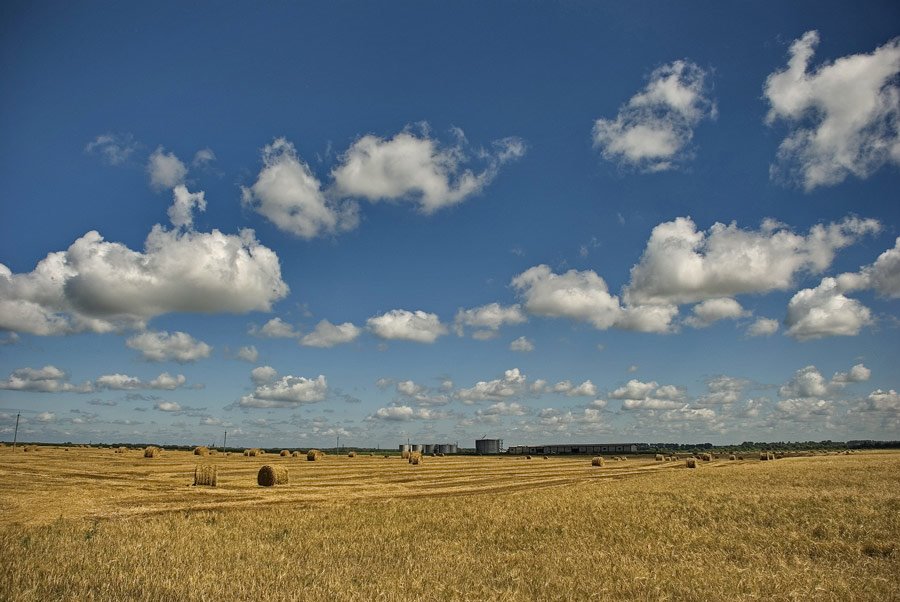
<point>488,446</point>
<point>430,448</point>
<point>574,448</point>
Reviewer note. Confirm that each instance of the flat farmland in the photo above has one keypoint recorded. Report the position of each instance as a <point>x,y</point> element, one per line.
<point>91,524</point>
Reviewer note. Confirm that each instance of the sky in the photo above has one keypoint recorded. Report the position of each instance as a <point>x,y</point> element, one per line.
<point>542,222</point>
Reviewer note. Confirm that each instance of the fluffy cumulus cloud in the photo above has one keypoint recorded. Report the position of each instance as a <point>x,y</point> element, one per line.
<point>883,276</point>
<point>843,115</point>
<point>712,310</point>
<point>248,353</point>
<point>522,345</point>
<point>327,334</point>
<point>682,264</point>
<point>584,296</point>
<point>416,168</point>
<point>501,408</point>
<point>289,195</point>
<point>162,346</point>
<point>805,409</point>
<point>824,311</point>
<point>510,384</point>
<point>181,213</point>
<point>405,413</point>
<point>654,128</point>
<point>276,328</point>
<point>638,395</point>
<point>114,149</point>
<point>857,374</point>
<point>165,170</point>
<point>723,390</point>
<point>102,286</point>
<point>168,406</point>
<point>585,389</point>
<point>48,379</point>
<point>400,324</point>
<point>882,401</point>
<point>487,318</point>
<point>123,382</point>
<point>285,392</point>
<point>762,327</point>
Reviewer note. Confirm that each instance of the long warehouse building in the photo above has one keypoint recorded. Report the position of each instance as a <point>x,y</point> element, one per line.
<point>573,448</point>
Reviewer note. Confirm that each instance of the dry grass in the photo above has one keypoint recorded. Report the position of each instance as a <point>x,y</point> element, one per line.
<point>805,528</point>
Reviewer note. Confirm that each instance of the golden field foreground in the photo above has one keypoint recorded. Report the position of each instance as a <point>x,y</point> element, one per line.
<point>89,524</point>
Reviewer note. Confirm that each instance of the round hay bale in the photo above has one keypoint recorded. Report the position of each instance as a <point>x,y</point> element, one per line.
<point>624,459</point>
<point>546,457</point>
<point>202,450</point>
<point>386,456</point>
<point>269,476</point>
<point>597,461</point>
<point>206,474</point>
<point>691,463</point>
<point>527,457</point>
<point>763,456</point>
<point>705,457</point>
<point>246,452</point>
<point>295,454</point>
<point>659,457</point>
<point>732,457</point>
<point>285,453</point>
<point>152,452</point>
<point>415,457</point>
<point>121,450</point>
<point>30,448</point>
<point>351,454</point>
<point>313,455</point>
<point>740,457</point>
<point>404,455</point>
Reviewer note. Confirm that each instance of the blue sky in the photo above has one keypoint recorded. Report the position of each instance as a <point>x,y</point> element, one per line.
<point>544,223</point>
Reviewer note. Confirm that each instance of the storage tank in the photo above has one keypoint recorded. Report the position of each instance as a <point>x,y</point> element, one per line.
<point>428,448</point>
<point>453,449</point>
<point>488,446</point>
<point>404,447</point>
<point>442,448</point>
<point>416,447</point>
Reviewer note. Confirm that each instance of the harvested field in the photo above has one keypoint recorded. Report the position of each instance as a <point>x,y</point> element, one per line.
<point>821,527</point>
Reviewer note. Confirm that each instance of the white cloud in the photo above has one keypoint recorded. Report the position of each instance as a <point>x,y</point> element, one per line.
<point>805,409</point>
<point>584,296</point>
<point>683,265</point>
<point>248,353</point>
<point>408,387</point>
<point>263,374</point>
<point>101,286</point>
<point>327,334</point>
<point>203,157</point>
<point>502,408</point>
<point>405,413</point>
<point>857,374</point>
<point>843,115</point>
<point>168,406</point>
<point>167,381</point>
<point>807,382</point>
<point>289,195</point>
<point>491,317</point>
<point>653,129</point>
<point>165,169</point>
<point>123,382</point>
<point>522,344</point>
<point>181,213</point>
<point>723,390</point>
<point>510,384</point>
<point>287,392</point>
<point>115,149</point>
<point>882,401</point>
<point>712,310</point>
<point>883,275</point>
<point>762,327</point>
<point>400,324</point>
<point>585,389</point>
<point>814,313</point>
<point>417,169</point>
<point>276,328</point>
<point>162,346</point>
<point>48,379</point>
<point>638,395</point>
<point>46,417</point>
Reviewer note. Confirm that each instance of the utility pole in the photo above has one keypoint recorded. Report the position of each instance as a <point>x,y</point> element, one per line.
<point>338,445</point>
<point>16,434</point>
<point>225,442</point>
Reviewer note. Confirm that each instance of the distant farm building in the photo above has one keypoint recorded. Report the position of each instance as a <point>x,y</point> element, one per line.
<point>574,448</point>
